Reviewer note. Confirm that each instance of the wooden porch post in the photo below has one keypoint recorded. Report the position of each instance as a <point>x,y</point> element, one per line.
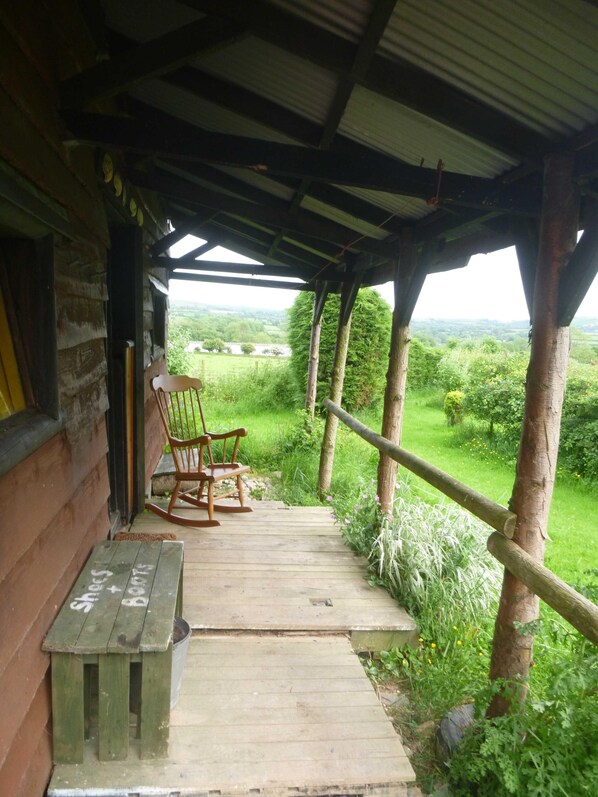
<point>320,295</point>
<point>348,295</point>
<point>398,360</point>
<point>545,388</point>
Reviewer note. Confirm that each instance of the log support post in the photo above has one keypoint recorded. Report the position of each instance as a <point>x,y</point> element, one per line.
<point>408,281</point>
<point>348,296</point>
<point>536,463</point>
<point>320,294</point>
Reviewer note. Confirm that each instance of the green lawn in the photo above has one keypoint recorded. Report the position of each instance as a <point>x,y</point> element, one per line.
<point>208,365</point>
<point>573,528</point>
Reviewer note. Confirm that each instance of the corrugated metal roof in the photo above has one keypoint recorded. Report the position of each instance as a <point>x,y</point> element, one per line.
<point>347,19</point>
<point>144,20</point>
<point>202,113</point>
<point>275,74</point>
<point>401,206</point>
<point>360,227</point>
<point>391,128</point>
<point>535,60</point>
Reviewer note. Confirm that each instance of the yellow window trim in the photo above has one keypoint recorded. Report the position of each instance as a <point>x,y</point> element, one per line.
<point>11,391</point>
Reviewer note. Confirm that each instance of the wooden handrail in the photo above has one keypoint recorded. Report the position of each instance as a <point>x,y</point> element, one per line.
<point>569,604</point>
<point>575,608</point>
<point>498,517</point>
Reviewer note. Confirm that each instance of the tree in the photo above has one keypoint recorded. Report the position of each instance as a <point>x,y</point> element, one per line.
<point>214,344</point>
<point>247,348</point>
<point>495,391</point>
<point>369,342</point>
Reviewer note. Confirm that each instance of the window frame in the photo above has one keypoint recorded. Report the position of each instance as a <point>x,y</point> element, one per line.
<point>27,279</point>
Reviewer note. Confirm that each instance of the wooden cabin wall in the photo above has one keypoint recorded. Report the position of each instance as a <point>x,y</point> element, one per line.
<point>53,503</point>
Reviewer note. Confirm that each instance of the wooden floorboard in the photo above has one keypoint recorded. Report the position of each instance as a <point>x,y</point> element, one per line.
<point>274,700</point>
<point>278,569</point>
<point>293,733</point>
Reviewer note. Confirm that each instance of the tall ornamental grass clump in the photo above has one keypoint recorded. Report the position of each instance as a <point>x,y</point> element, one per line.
<point>434,559</point>
<point>431,557</point>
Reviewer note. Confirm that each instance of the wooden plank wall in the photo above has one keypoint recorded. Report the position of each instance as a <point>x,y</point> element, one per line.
<point>54,503</point>
<point>54,510</point>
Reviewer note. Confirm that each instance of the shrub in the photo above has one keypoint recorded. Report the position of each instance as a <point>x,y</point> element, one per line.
<point>453,407</point>
<point>177,357</point>
<point>495,391</point>
<point>549,745</point>
<point>214,344</point>
<point>579,429</point>
<point>247,348</point>
<point>423,365</point>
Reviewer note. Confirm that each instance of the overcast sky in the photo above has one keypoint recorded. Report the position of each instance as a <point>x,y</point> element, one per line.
<point>489,287</point>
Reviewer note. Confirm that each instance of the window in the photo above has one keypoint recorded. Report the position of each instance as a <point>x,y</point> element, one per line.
<point>11,390</point>
<point>29,407</point>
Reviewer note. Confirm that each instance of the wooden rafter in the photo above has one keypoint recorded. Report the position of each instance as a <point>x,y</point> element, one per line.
<point>250,283</point>
<point>581,270</point>
<point>309,224</point>
<point>147,60</point>
<point>189,262</point>
<point>396,79</point>
<point>376,26</point>
<point>179,140</point>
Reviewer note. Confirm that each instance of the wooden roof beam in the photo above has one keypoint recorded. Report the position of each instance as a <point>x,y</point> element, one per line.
<point>396,79</point>
<point>170,138</point>
<point>188,262</point>
<point>307,223</point>
<point>250,283</point>
<point>148,60</point>
<point>375,28</point>
<point>581,270</point>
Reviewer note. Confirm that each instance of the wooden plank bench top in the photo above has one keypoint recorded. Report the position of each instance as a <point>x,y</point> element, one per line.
<point>120,610</point>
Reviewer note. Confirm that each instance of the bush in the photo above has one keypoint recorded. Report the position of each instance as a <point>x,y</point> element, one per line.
<point>214,344</point>
<point>177,357</point>
<point>495,391</point>
<point>367,358</point>
<point>247,348</point>
<point>579,428</point>
<point>549,745</point>
<point>423,365</point>
<point>453,407</point>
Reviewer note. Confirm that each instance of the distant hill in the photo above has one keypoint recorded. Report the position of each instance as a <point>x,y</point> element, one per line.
<point>238,324</point>
<point>440,330</point>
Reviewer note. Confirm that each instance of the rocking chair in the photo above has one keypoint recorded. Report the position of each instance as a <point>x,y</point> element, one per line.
<point>191,445</point>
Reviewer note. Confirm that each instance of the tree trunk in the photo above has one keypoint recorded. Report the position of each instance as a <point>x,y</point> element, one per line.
<point>336,395</point>
<point>312,367</point>
<point>394,403</point>
<point>536,464</point>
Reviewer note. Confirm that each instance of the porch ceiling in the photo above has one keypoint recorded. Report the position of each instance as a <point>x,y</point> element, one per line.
<point>308,134</point>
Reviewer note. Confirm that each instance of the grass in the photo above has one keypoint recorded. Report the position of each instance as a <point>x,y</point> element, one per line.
<point>208,365</point>
<point>573,547</point>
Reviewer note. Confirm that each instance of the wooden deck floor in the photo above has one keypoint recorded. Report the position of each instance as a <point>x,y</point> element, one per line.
<point>283,569</point>
<point>274,700</point>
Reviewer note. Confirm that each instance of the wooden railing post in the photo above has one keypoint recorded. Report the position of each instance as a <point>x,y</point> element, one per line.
<point>406,288</point>
<point>320,295</point>
<point>538,450</point>
<point>348,295</point>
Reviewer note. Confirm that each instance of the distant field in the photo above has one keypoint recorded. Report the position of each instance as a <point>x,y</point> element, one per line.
<point>209,365</point>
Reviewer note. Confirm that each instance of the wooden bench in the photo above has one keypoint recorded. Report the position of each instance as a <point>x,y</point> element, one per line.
<point>120,612</point>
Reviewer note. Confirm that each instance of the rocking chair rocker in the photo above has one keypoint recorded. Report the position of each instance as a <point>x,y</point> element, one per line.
<point>191,445</point>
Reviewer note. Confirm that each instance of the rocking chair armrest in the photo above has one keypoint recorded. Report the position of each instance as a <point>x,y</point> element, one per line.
<point>225,435</point>
<point>204,440</point>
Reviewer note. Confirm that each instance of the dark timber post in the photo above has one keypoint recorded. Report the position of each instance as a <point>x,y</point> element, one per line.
<point>398,360</point>
<point>348,295</point>
<point>320,295</point>
<point>545,388</point>
<point>126,323</point>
